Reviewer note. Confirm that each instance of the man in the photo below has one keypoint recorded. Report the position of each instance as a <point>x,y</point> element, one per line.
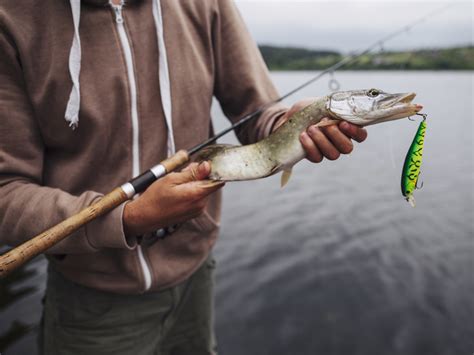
<point>91,94</point>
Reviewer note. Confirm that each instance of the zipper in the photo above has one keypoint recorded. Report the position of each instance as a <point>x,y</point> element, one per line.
<point>127,50</point>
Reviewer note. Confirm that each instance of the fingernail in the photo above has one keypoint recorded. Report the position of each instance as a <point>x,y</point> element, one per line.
<point>312,129</point>
<point>345,125</point>
<point>203,167</point>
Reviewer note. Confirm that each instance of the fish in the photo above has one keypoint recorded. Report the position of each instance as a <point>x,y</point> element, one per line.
<point>412,165</point>
<point>282,149</point>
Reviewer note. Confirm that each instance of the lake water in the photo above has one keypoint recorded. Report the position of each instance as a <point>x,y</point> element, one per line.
<point>337,262</point>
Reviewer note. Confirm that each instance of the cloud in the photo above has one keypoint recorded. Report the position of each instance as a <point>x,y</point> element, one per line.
<point>350,25</point>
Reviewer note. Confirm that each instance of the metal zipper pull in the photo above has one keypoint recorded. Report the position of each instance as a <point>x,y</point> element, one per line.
<point>118,12</point>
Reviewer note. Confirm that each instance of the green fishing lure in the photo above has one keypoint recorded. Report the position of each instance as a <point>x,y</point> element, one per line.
<point>412,165</point>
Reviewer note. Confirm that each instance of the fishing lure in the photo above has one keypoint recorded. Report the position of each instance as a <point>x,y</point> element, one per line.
<point>412,165</point>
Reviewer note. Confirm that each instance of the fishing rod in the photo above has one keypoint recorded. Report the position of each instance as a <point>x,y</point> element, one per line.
<point>21,254</point>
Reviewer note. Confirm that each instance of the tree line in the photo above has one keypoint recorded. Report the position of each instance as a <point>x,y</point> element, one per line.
<point>293,58</point>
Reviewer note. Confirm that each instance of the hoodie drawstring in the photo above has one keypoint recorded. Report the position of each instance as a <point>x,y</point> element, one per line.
<point>72,108</point>
<point>165,86</point>
<point>73,105</point>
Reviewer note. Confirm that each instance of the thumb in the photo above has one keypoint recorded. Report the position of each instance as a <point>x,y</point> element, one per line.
<point>195,172</point>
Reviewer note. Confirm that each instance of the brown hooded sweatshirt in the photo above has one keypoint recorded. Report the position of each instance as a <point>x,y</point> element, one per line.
<point>48,171</point>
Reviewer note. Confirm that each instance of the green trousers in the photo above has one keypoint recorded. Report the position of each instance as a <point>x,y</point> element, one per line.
<point>177,321</point>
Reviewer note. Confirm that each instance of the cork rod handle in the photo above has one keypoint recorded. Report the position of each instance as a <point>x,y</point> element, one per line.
<point>18,256</point>
<point>176,161</point>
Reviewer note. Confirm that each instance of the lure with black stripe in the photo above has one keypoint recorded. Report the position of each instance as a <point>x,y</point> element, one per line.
<point>412,165</point>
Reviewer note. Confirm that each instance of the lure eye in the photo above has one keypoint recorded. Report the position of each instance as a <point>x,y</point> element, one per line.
<point>373,93</point>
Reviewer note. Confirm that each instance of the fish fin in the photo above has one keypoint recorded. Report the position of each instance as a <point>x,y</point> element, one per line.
<point>411,200</point>
<point>210,151</point>
<point>327,123</point>
<point>285,177</point>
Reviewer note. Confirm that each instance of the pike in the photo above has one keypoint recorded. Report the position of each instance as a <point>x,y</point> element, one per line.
<point>281,150</point>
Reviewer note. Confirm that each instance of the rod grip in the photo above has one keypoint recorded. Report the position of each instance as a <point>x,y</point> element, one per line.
<point>177,160</point>
<point>18,256</point>
<point>21,254</point>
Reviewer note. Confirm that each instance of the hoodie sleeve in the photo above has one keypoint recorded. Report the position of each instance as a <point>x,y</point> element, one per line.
<point>26,207</point>
<point>242,81</point>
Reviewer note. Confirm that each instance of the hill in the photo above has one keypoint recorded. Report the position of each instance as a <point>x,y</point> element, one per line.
<point>292,58</point>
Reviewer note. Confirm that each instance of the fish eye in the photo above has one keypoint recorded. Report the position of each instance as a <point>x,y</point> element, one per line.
<point>373,93</point>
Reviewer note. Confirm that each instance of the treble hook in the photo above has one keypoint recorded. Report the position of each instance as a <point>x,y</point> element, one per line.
<point>418,114</point>
<point>424,115</point>
<point>417,180</point>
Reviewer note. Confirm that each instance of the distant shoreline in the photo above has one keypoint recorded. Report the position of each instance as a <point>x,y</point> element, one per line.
<point>299,59</point>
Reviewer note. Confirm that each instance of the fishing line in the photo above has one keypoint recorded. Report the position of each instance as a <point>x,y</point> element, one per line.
<point>349,59</point>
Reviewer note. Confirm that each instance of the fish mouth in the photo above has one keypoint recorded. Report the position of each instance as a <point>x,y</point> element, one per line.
<point>397,106</point>
<point>406,100</point>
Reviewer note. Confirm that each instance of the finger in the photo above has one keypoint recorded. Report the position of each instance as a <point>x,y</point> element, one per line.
<point>357,133</point>
<point>203,170</point>
<point>207,187</point>
<point>189,166</point>
<point>324,145</point>
<point>341,141</point>
<point>196,190</point>
<point>193,172</point>
<point>312,152</point>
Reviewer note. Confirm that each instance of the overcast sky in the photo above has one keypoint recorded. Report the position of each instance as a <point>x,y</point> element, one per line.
<point>351,25</point>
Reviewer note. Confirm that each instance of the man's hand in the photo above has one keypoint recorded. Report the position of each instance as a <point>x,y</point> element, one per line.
<point>327,142</point>
<point>173,199</point>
